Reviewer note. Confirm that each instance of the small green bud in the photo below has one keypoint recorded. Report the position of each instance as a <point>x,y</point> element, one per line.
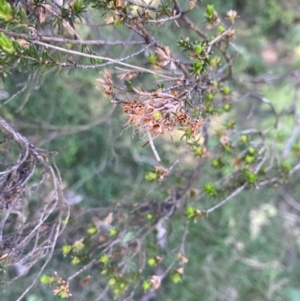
<point>295,147</point>
<point>286,167</point>
<point>152,59</point>
<point>197,67</point>
<point>227,148</point>
<point>92,230</point>
<point>198,151</point>
<point>75,260</point>
<point>227,107</point>
<point>78,7</point>
<point>211,15</point>
<point>244,139</point>
<point>157,115</point>
<point>280,136</point>
<point>190,212</point>
<point>66,249</point>
<point>210,11</point>
<point>214,61</point>
<point>226,90</point>
<point>113,232</point>
<point>210,189</point>
<point>230,125</point>
<point>198,49</point>
<point>249,159</point>
<point>215,163</point>
<point>209,97</point>
<point>250,177</point>
<point>251,151</point>
<point>176,277</point>
<point>151,176</point>
<point>151,262</point>
<point>146,285</point>
<point>112,281</point>
<point>104,259</point>
<point>150,217</point>
<point>221,29</point>
<point>46,279</point>
<point>188,132</point>
<point>78,246</point>
<point>209,109</point>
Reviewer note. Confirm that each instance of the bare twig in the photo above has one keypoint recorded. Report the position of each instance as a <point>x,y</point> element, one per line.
<point>102,58</point>
<point>232,195</point>
<point>153,147</point>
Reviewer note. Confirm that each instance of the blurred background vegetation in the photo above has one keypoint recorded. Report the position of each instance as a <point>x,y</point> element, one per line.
<point>248,250</point>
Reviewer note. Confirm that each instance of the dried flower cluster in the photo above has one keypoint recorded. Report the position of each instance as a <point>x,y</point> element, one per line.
<point>157,115</point>
<point>154,112</point>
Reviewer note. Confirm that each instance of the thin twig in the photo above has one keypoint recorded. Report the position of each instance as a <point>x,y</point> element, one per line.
<point>233,194</point>
<point>103,58</point>
<point>153,147</point>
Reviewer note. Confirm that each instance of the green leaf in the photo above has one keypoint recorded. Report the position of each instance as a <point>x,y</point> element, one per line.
<point>5,11</point>
<point>127,237</point>
<point>6,44</point>
<point>22,15</point>
<point>129,86</point>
